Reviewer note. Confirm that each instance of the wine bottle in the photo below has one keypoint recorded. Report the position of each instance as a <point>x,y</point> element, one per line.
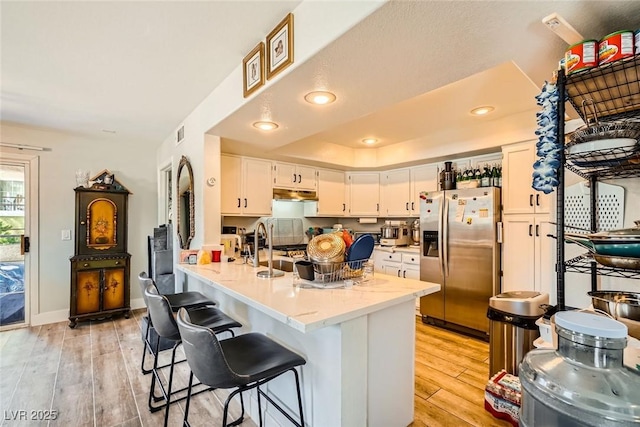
<point>486,177</point>
<point>494,176</point>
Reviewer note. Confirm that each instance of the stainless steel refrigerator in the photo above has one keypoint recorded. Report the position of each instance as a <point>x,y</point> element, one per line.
<point>460,251</point>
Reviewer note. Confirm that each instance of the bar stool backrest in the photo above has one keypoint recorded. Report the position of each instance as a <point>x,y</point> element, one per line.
<point>145,281</point>
<point>205,355</point>
<point>161,314</point>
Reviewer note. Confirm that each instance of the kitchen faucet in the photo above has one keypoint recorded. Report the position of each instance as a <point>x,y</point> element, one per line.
<point>256,259</point>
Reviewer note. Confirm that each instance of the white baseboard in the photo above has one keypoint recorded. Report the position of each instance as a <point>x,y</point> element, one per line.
<point>49,317</point>
<point>63,315</point>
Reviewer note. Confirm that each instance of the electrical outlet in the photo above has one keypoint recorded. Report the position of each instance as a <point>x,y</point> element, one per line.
<point>66,234</point>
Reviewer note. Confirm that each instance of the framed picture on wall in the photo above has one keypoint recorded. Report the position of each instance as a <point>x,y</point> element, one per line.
<point>253,70</point>
<point>280,47</point>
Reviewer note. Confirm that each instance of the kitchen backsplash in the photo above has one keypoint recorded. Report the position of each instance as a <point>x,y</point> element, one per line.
<point>292,209</point>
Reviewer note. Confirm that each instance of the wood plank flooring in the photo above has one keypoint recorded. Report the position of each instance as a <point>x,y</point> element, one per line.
<point>91,376</point>
<point>451,373</point>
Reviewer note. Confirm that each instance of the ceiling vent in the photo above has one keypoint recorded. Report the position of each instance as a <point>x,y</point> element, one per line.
<point>180,135</point>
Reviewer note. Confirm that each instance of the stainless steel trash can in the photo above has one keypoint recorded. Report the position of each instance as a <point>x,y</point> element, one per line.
<point>512,328</point>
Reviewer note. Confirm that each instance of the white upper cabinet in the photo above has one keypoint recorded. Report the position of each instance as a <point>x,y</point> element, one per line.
<point>331,195</point>
<point>299,177</point>
<point>517,194</point>
<point>231,185</point>
<point>423,178</point>
<point>401,189</point>
<point>396,192</point>
<point>364,193</point>
<point>246,186</point>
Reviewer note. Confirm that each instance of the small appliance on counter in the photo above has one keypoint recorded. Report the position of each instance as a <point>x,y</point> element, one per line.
<point>231,243</point>
<point>415,233</point>
<point>447,177</point>
<point>395,233</point>
<point>376,235</point>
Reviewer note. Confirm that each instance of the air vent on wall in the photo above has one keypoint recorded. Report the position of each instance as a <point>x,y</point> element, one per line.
<point>180,135</point>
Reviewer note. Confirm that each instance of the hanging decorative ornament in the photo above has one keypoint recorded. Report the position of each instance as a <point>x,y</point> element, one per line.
<point>548,147</point>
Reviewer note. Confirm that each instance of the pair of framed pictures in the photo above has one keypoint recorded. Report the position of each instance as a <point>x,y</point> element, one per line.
<point>279,55</point>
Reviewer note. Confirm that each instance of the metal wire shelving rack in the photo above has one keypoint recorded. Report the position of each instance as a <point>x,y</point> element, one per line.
<point>615,92</point>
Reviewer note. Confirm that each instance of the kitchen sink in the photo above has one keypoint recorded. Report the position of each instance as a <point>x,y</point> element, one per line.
<point>279,264</point>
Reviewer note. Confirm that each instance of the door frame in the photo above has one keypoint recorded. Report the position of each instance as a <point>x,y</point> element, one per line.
<point>31,165</point>
<point>165,171</point>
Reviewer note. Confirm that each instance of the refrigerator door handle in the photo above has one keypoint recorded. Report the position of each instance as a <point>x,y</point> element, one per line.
<point>445,237</point>
<point>440,238</point>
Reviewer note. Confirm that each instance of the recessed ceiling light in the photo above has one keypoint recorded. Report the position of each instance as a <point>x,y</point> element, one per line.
<point>265,125</point>
<point>320,97</point>
<point>369,141</point>
<point>481,111</point>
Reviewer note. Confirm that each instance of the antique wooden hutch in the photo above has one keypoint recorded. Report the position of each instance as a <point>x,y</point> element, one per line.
<point>100,267</point>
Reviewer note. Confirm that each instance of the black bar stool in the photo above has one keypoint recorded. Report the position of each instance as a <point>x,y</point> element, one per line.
<point>161,313</point>
<point>243,362</point>
<point>189,300</point>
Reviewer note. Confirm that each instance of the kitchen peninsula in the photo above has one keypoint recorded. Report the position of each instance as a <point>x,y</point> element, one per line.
<point>358,342</point>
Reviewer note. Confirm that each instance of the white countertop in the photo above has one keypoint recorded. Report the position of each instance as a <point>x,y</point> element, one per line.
<point>407,249</point>
<point>307,309</point>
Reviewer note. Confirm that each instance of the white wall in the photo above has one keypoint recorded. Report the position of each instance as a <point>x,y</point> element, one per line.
<point>133,164</point>
<point>318,23</point>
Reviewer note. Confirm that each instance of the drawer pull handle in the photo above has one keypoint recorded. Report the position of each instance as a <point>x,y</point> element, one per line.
<point>86,264</point>
<point>117,262</point>
<point>82,223</point>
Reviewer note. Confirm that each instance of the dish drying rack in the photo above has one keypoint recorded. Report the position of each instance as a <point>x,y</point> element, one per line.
<point>336,271</point>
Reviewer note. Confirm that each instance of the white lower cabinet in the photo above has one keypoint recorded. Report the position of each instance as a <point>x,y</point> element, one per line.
<point>400,264</point>
<point>411,266</point>
<point>528,254</point>
<point>391,263</point>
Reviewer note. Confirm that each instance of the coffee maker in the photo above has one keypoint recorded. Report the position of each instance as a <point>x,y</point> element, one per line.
<point>447,177</point>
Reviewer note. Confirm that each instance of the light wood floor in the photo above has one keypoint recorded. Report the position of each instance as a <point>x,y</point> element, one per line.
<point>451,373</point>
<point>91,376</point>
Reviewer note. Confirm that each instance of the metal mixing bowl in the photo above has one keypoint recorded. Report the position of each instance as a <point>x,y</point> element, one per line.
<point>619,304</point>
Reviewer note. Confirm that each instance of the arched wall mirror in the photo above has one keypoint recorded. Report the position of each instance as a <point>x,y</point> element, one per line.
<point>185,203</point>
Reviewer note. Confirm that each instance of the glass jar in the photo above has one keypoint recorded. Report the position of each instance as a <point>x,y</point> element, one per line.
<point>583,382</point>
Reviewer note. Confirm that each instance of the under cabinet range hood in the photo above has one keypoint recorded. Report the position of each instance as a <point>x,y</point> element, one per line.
<point>301,195</point>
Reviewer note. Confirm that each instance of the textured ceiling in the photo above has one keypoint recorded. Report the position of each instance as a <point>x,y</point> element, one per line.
<point>408,73</point>
<point>382,69</point>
